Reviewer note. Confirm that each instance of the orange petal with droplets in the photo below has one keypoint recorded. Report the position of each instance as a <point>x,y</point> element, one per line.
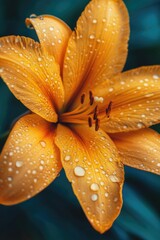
<point>29,161</point>
<point>53,34</point>
<point>139,149</point>
<point>91,163</point>
<point>34,78</point>
<point>97,49</point>
<point>135,97</point>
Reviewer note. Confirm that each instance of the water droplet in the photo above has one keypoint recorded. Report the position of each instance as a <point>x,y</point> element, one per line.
<point>115,199</point>
<point>106,194</point>
<point>91,36</point>
<point>158,164</point>
<point>43,144</point>
<point>155,76</point>
<point>94,187</point>
<point>10,179</point>
<point>10,169</point>
<point>41,17</point>
<point>33,15</point>
<point>79,171</point>
<point>51,28</point>
<point>114,178</point>
<point>35,180</point>
<point>140,125</point>
<point>94,197</point>
<point>10,153</point>
<point>34,172</point>
<point>40,167</point>
<point>42,162</point>
<point>110,89</point>
<point>67,158</point>
<point>94,21</point>
<point>19,164</point>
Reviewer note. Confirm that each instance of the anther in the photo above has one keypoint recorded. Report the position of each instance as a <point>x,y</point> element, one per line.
<point>95,114</point>
<point>108,109</point>
<point>91,98</point>
<point>82,98</point>
<point>90,122</point>
<point>91,101</point>
<point>97,124</point>
<point>90,94</point>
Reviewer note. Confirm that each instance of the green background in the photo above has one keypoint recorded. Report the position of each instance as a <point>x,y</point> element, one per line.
<point>55,214</point>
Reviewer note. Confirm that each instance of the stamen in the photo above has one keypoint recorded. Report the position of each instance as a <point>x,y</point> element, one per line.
<point>95,113</point>
<point>108,109</point>
<point>91,101</point>
<point>90,122</point>
<point>97,124</point>
<point>90,94</point>
<point>82,98</point>
<point>91,98</point>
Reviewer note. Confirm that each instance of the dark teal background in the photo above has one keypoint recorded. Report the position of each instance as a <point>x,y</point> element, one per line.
<point>55,214</point>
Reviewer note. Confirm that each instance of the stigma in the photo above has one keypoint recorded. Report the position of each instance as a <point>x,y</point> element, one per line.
<point>91,111</point>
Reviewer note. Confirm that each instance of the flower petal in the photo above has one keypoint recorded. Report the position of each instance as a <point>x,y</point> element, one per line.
<point>139,149</point>
<point>53,34</point>
<point>92,164</point>
<point>32,77</point>
<point>135,97</point>
<point>29,161</point>
<point>97,49</point>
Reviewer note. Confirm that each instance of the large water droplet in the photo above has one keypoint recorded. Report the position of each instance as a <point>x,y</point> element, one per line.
<point>19,164</point>
<point>94,187</point>
<point>94,197</point>
<point>79,171</point>
<point>33,15</point>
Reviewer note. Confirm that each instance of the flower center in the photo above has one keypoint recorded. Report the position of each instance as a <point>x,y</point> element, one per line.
<point>89,111</point>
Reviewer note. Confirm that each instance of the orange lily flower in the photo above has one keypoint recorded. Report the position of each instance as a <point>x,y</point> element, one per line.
<point>87,116</point>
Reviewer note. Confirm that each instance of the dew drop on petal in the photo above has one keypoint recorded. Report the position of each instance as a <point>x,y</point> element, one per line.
<point>33,16</point>
<point>113,178</point>
<point>19,164</point>
<point>67,158</point>
<point>94,197</point>
<point>43,144</point>
<point>115,199</point>
<point>94,21</point>
<point>10,179</point>
<point>91,36</point>
<point>79,171</point>
<point>94,187</point>
<point>106,194</point>
<point>155,76</point>
<point>51,28</point>
<point>140,125</point>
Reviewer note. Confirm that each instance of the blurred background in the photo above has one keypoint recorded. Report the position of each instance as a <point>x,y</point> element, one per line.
<point>55,214</point>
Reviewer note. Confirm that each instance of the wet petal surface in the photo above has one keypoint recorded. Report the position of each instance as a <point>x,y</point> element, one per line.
<point>34,78</point>
<point>139,149</point>
<point>91,163</point>
<point>29,161</point>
